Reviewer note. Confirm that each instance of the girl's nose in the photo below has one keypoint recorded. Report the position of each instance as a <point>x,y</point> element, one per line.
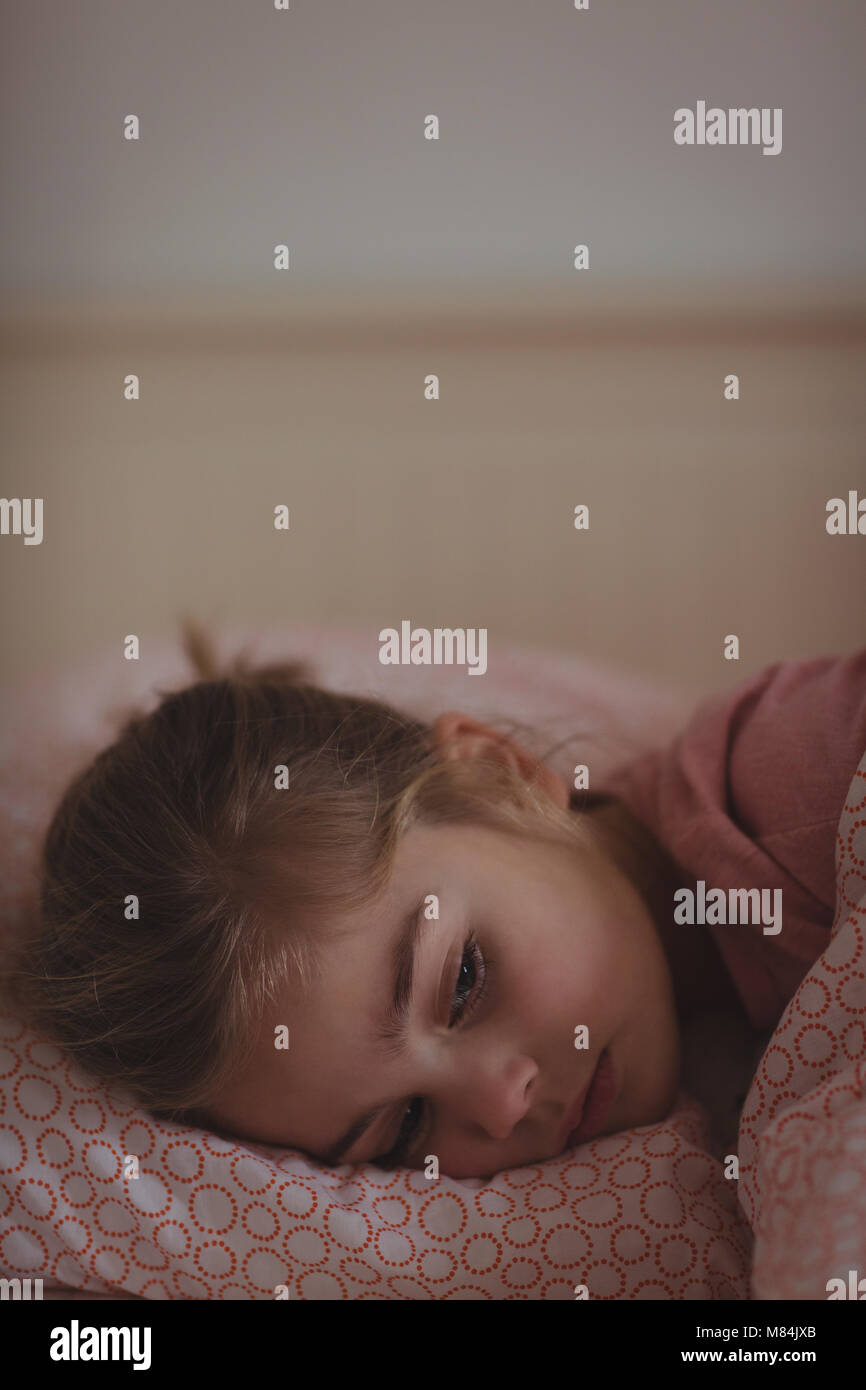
<point>496,1098</point>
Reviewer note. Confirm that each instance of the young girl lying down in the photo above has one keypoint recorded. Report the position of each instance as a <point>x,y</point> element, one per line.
<point>308,920</point>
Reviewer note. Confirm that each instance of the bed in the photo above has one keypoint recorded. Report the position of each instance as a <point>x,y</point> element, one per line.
<point>720,1201</point>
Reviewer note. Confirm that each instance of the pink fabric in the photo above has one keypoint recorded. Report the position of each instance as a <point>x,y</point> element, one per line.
<point>750,795</point>
<point>802,1135</point>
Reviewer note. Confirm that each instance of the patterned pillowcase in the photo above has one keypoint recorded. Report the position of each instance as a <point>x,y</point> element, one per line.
<point>642,1214</point>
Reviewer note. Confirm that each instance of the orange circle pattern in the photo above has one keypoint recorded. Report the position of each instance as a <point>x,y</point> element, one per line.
<point>802,1138</point>
<point>208,1218</point>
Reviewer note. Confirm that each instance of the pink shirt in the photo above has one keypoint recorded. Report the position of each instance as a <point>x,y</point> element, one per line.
<point>749,796</point>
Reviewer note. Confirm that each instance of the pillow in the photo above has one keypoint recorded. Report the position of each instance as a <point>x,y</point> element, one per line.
<point>642,1214</point>
<point>803,1128</point>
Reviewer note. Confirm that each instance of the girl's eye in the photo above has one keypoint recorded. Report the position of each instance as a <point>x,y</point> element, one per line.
<point>466,977</point>
<point>472,963</point>
<point>408,1130</point>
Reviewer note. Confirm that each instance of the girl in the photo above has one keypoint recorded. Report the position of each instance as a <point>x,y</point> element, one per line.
<point>307,920</point>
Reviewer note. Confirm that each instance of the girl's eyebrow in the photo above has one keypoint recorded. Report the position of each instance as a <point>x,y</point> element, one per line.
<point>391,1034</point>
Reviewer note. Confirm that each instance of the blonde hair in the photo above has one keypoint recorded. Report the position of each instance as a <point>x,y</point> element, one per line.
<point>234,877</point>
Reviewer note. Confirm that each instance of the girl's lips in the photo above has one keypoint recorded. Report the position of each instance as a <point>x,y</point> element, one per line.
<point>573,1117</point>
<point>593,1106</point>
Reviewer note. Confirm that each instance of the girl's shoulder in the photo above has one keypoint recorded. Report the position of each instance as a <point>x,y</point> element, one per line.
<point>749,795</point>
<point>769,761</point>
<point>794,737</point>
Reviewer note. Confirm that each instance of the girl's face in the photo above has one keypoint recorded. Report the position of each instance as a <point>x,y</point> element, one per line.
<point>537,947</point>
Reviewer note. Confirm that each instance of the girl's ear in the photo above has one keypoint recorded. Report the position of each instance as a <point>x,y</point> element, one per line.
<point>457,735</point>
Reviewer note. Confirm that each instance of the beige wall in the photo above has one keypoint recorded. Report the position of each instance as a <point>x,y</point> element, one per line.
<point>306,126</point>
<point>707,516</point>
<point>410,256</point>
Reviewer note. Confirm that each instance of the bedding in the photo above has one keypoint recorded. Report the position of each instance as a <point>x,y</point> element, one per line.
<point>645,1214</point>
<point>802,1136</point>
<point>97,1195</point>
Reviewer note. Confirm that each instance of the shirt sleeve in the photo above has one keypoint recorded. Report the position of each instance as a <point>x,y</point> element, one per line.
<point>749,796</point>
